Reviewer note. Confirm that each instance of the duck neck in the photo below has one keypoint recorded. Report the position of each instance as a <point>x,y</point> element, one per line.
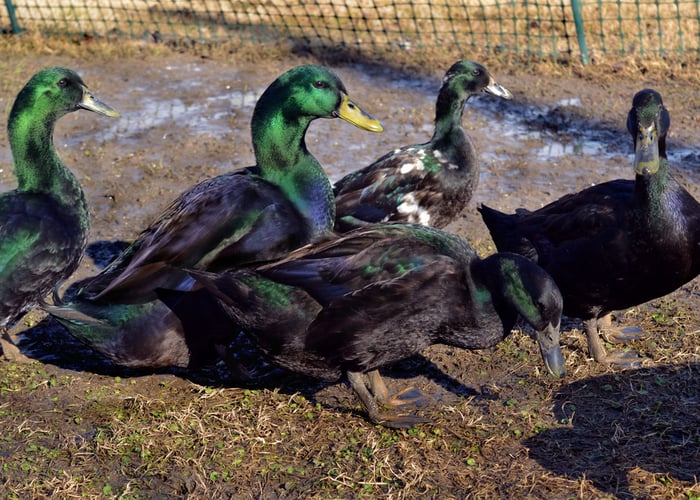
<point>652,192</point>
<point>37,166</point>
<point>283,159</point>
<point>449,109</point>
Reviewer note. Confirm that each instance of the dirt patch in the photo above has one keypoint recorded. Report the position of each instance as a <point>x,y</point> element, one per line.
<point>72,424</point>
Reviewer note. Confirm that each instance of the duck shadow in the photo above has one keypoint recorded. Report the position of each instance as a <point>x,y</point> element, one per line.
<point>411,372</point>
<point>103,252</point>
<point>417,373</point>
<point>616,424</point>
<point>50,343</point>
<point>424,380</point>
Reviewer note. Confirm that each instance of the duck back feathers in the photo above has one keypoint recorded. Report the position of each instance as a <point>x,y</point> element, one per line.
<point>408,287</point>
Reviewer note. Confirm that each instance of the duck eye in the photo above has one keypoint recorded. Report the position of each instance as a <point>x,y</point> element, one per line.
<point>320,84</point>
<point>63,82</point>
<point>476,72</point>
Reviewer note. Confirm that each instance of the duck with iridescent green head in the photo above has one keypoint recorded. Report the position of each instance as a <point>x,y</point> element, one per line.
<point>249,215</point>
<point>44,222</point>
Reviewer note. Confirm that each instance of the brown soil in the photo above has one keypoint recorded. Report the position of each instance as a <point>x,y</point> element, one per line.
<point>72,424</point>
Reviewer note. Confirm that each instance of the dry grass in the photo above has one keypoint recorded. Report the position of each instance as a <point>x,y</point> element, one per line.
<point>600,434</point>
<point>429,61</point>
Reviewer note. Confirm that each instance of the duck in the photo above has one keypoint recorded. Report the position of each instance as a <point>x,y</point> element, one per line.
<point>429,183</point>
<point>617,244</point>
<point>44,221</point>
<point>343,307</point>
<point>248,215</point>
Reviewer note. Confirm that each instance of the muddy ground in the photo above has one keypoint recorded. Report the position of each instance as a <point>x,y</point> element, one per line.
<point>72,424</point>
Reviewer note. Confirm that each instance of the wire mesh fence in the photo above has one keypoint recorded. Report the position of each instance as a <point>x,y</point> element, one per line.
<point>521,28</point>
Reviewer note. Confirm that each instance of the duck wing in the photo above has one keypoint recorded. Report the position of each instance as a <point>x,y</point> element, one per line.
<point>397,187</point>
<point>229,220</point>
<point>329,271</point>
<point>389,319</point>
<point>39,246</point>
<point>570,220</point>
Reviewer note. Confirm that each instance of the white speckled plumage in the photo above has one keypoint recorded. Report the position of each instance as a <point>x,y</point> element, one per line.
<point>430,183</point>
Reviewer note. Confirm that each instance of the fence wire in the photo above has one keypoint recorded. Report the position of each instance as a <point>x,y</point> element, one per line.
<point>530,28</point>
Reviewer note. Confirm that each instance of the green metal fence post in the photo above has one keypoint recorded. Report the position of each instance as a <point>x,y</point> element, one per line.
<point>13,19</point>
<point>578,21</point>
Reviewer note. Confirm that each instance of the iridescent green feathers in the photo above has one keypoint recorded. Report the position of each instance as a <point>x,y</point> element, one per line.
<point>50,94</point>
<point>281,118</point>
<point>249,215</point>
<point>619,243</point>
<point>44,222</point>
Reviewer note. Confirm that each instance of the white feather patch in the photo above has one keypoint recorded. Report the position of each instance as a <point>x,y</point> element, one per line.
<point>410,166</point>
<point>411,208</point>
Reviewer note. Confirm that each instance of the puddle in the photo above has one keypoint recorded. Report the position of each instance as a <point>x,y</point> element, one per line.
<point>190,118</point>
<point>573,136</point>
<point>538,135</point>
<point>209,116</point>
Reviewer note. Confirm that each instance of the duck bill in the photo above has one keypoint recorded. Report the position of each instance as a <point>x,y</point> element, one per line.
<point>352,113</point>
<point>92,103</point>
<point>646,150</point>
<point>548,340</point>
<point>495,88</point>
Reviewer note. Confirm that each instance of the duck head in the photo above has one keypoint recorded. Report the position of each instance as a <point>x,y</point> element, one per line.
<point>303,94</point>
<point>648,122</point>
<point>54,92</point>
<point>280,120</point>
<point>530,291</point>
<point>473,78</point>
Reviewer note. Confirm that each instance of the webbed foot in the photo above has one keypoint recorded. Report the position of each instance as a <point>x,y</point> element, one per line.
<point>624,335</point>
<point>620,359</point>
<point>10,351</point>
<point>369,402</point>
<point>407,396</point>
<point>404,421</point>
<point>624,359</point>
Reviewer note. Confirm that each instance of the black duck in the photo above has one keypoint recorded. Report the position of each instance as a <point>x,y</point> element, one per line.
<point>617,244</point>
<point>376,295</point>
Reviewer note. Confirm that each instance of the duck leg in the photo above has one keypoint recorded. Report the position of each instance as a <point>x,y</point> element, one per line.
<point>621,359</point>
<point>369,402</point>
<point>239,372</point>
<point>595,344</point>
<point>10,351</point>
<point>619,335</point>
<point>381,393</point>
<point>605,322</point>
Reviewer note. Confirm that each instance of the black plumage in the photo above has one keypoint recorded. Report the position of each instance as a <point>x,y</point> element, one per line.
<point>376,295</point>
<point>44,222</point>
<point>247,215</point>
<point>617,244</point>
